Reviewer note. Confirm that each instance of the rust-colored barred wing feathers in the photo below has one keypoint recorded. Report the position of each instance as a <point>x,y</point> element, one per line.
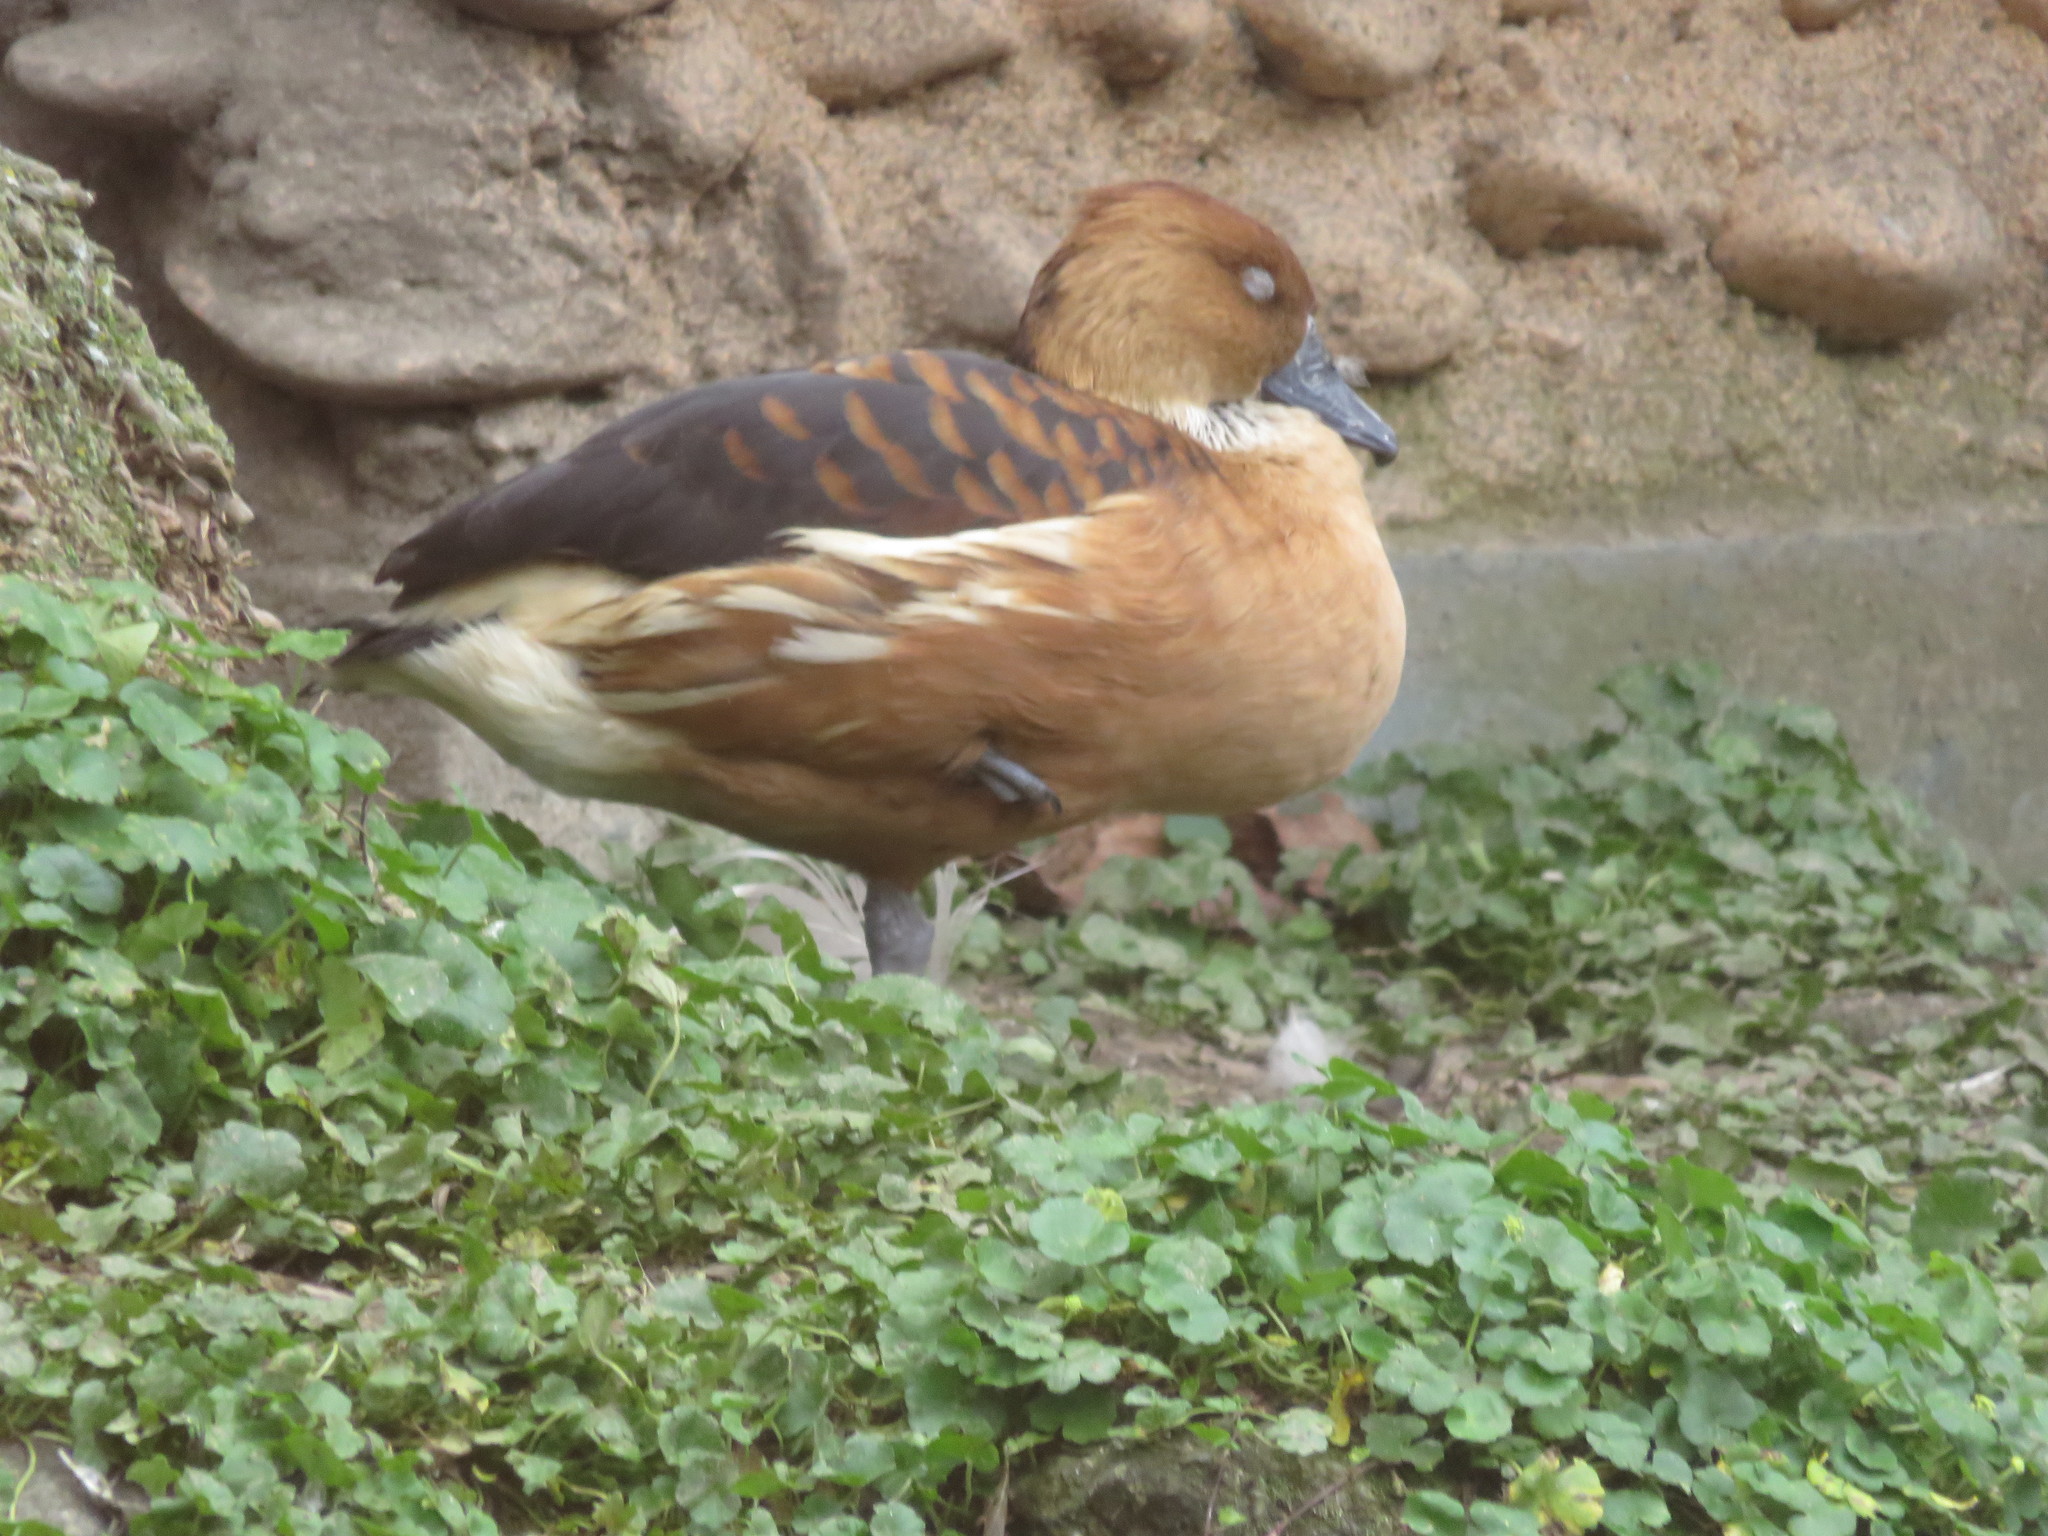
<point>908,444</point>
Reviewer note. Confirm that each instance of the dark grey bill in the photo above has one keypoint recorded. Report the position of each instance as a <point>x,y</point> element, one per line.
<point>1312,382</point>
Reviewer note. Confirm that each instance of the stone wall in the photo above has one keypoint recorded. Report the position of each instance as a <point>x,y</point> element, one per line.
<point>1617,269</point>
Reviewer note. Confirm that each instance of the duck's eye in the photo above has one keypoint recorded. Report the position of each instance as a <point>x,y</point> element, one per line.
<point>1258,282</point>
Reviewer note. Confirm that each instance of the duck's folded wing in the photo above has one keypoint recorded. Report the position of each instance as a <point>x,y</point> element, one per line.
<point>853,649</point>
<point>909,444</point>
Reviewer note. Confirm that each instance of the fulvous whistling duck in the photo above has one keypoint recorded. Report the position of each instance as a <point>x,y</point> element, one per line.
<point>904,609</point>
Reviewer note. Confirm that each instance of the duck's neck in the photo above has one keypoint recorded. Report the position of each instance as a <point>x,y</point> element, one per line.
<point>1225,427</point>
<point>1233,426</point>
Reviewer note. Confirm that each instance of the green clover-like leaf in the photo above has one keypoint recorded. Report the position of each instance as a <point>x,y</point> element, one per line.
<point>1480,1414</point>
<point>59,872</point>
<point>243,1159</point>
<point>1430,1513</point>
<point>1303,1431</point>
<point>1566,1496</point>
<point>73,765</point>
<point>1071,1229</point>
<point>1957,1213</point>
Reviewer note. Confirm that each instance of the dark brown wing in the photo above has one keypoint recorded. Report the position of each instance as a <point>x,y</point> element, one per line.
<point>910,443</point>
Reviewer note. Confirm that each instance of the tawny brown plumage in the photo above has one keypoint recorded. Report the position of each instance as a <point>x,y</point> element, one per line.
<point>909,608</point>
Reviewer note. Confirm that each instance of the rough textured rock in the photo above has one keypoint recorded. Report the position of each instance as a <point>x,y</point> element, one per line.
<point>1401,312</point>
<point>161,70</point>
<point>1172,1487</point>
<point>408,349</point>
<point>2024,446</point>
<point>1565,183</point>
<point>20,16</point>
<point>971,274</point>
<point>557,15</point>
<point>70,1498</point>
<point>2031,14</point>
<point>1819,15</point>
<point>1876,245</point>
<point>1401,499</point>
<point>464,213</point>
<point>419,464</point>
<point>436,247</point>
<point>855,53</point>
<point>1542,10</point>
<point>1135,42</point>
<point>1342,50</point>
<point>682,93</point>
<point>812,256</point>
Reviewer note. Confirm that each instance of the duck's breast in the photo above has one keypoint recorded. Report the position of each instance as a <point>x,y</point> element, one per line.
<point>1258,641</point>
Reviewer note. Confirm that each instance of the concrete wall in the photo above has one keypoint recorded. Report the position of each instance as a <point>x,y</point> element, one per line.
<point>1930,644</point>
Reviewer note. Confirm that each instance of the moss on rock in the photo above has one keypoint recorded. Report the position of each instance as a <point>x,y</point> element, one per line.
<point>109,462</point>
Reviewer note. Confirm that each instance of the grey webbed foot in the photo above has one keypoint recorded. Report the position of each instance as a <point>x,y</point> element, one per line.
<point>899,935</point>
<point>1011,782</point>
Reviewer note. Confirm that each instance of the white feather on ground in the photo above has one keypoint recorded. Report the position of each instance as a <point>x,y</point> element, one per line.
<point>1301,1053</point>
<point>829,900</point>
<point>825,896</point>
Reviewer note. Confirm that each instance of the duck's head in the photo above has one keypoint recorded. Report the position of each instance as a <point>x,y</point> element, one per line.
<point>1166,300</point>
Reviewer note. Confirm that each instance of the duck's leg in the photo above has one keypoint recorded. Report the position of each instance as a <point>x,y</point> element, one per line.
<point>899,935</point>
<point>1011,782</point>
